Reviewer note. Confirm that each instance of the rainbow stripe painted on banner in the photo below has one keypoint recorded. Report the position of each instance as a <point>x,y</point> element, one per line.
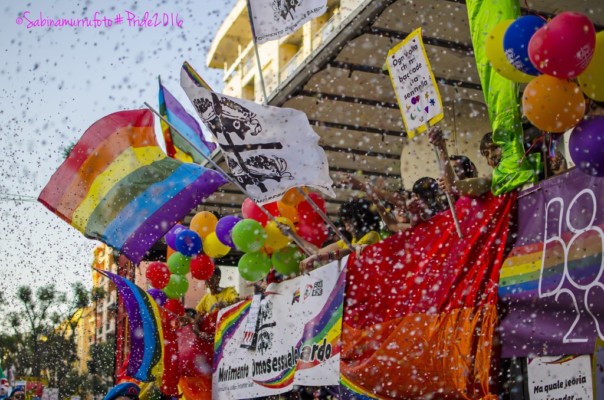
<point>521,271</point>
<point>227,327</point>
<point>348,390</point>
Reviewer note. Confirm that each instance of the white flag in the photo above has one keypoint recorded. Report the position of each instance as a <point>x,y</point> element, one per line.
<point>274,19</point>
<point>268,149</point>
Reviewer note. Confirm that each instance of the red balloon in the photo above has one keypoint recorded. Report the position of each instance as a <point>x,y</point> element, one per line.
<point>202,267</point>
<point>314,231</point>
<point>158,274</point>
<point>273,209</point>
<point>306,210</point>
<point>175,306</point>
<point>249,209</point>
<point>564,46</point>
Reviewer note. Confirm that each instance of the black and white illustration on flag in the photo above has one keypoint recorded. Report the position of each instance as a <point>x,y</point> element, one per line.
<point>274,19</point>
<point>268,149</point>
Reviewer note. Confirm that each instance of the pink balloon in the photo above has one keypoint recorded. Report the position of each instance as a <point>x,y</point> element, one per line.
<point>563,47</point>
<point>250,210</point>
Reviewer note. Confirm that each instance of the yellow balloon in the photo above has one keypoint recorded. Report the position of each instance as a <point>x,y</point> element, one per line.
<point>591,80</point>
<point>275,239</point>
<point>496,54</point>
<point>204,223</point>
<point>214,247</point>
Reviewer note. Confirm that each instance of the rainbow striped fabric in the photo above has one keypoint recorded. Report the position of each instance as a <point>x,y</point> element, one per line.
<point>188,144</point>
<point>119,187</point>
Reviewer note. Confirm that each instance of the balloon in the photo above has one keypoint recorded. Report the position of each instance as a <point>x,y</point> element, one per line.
<point>292,197</point>
<point>202,267</point>
<point>563,48</point>
<point>306,210</point>
<point>224,228</point>
<point>592,79</point>
<point>249,236</point>
<point>496,55</point>
<point>516,40</point>
<point>552,104</point>
<point>287,260</point>
<point>254,266</point>
<point>313,231</point>
<point>288,211</point>
<point>273,209</point>
<point>586,146</point>
<point>158,295</point>
<point>274,238</point>
<point>203,223</point>
<point>214,248</point>
<point>175,306</point>
<point>177,286</point>
<point>250,210</point>
<point>179,263</point>
<point>172,233</point>
<point>188,242</point>
<point>158,274</point>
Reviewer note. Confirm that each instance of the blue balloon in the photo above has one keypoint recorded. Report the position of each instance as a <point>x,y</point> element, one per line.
<point>188,243</point>
<point>516,40</point>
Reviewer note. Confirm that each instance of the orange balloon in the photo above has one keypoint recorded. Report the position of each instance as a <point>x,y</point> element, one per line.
<point>552,104</point>
<point>288,212</point>
<point>204,223</point>
<point>292,197</point>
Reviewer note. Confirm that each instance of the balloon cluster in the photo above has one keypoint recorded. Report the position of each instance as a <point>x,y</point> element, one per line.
<point>548,55</point>
<point>562,60</point>
<point>263,241</point>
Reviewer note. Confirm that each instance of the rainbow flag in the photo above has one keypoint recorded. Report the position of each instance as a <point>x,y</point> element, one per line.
<point>188,144</point>
<point>119,187</point>
<point>421,307</point>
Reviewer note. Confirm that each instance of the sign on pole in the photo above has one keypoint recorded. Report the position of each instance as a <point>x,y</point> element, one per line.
<point>414,84</point>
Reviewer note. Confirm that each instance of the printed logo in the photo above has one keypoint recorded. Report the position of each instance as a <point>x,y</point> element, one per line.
<point>285,8</point>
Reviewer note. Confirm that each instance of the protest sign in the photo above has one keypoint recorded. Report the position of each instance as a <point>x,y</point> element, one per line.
<point>563,378</point>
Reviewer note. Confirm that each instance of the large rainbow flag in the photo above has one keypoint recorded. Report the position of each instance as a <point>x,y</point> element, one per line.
<point>118,186</point>
<point>187,142</point>
<point>153,346</point>
<point>420,310</point>
<point>551,285</point>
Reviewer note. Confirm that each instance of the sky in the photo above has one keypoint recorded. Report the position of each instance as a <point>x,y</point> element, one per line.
<point>54,83</point>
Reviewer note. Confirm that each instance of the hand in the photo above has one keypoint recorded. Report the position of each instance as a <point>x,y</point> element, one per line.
<point>353,182</point>
<point>446,186</point>
<point>435,136</point>
<point>308,263</point>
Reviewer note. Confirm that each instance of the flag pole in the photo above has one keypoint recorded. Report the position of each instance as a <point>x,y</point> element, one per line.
<point>449,200</point>
<point>284,228</point>
<point>306,196</point>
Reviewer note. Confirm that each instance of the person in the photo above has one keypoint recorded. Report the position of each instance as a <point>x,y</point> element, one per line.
<point>472,186</point>
<point>218,297</point>
<point>3,393</point>
<point>361,222</point>
<point>123,391</point>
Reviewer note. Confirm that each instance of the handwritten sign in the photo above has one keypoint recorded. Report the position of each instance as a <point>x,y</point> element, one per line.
<point>414,84</point>
<point>566,377</point>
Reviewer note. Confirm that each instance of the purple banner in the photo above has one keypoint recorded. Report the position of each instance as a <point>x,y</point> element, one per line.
<point>551,286</point>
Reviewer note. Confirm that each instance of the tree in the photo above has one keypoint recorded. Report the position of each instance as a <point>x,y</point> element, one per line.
<point>102,365</point>
<point>43,330</point>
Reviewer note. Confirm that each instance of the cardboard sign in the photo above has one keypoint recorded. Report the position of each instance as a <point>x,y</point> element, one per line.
<point>414,84</point>
<point>566,377</point>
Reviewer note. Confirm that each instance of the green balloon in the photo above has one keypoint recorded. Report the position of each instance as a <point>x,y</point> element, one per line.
<point>248,235</point>
<point>254,266</point>
<point>287,260</point>
<point>177,286</point>
<point>179,264</point>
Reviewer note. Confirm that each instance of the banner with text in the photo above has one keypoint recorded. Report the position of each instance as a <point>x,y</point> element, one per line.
<point>297,341</point>
<point>414,84</point>
<point>560,378</point>
<point>552,283</point>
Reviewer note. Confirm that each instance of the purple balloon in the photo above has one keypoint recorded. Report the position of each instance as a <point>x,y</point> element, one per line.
<point>224,228</point>
<point>172,233</point>
<point>158,295</point>
<point>586,146</point>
